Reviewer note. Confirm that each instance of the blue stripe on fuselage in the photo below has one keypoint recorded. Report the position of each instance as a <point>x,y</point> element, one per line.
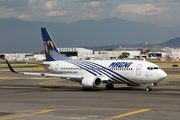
<point>106,70</point>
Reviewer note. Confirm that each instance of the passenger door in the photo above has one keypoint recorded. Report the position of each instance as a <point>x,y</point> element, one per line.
<point>138,69</point>
<point>57,68</point>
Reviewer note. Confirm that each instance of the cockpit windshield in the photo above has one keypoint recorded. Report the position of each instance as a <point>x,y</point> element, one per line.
<point>152,68</point>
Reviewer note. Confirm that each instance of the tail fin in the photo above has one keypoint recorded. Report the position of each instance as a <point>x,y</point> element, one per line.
<point>50,49</point>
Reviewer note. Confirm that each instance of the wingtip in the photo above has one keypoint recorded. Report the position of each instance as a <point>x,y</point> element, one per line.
<point>10,67</point>
<point>2,56</point>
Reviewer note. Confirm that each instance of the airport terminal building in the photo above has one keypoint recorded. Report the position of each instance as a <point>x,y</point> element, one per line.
<point>24,56</point>
<point>88,54</point>
<point>74,53</point>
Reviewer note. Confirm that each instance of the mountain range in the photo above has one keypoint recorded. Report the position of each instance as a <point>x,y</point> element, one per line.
<point>24,36</point>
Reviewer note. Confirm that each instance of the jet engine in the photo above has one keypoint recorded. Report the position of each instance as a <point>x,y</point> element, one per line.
<point>89,82</point>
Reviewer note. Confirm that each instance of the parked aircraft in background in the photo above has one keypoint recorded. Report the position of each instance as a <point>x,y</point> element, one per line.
<point>93,73</point>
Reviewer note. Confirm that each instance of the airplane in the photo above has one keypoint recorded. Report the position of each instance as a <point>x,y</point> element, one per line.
<point>93,73</point>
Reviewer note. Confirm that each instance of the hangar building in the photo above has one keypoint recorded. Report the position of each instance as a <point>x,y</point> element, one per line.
<point>83,53</point>
<point>76,53</point>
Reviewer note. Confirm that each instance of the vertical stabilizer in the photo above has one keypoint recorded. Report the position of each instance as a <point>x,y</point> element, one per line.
<point>50,49</point>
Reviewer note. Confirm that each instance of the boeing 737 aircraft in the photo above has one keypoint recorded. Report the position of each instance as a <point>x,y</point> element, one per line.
<point>93,73</point>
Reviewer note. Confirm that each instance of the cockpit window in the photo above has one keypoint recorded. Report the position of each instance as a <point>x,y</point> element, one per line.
<point>152,68</point>
<point>156,68</point>
<point>149,68</point>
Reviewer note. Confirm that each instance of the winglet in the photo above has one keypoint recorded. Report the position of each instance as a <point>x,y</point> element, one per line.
<point>10,67</point>
<point>2,56</point>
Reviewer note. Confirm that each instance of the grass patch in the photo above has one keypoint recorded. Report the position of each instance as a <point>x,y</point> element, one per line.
<point>21,66</point>
<point>167,64</point>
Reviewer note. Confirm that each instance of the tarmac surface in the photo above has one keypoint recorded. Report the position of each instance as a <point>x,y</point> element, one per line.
<point>39,98</point>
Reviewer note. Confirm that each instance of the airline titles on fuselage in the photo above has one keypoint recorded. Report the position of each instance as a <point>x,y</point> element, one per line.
<point>120,64</point>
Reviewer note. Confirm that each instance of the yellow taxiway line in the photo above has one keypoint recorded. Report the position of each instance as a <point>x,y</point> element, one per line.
<point>127,114</point>
<point>26,115</point>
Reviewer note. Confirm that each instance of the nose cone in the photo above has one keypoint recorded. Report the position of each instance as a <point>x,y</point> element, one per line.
<point>162,75</point>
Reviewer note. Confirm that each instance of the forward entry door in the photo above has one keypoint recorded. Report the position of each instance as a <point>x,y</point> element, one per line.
<point>138,69</point>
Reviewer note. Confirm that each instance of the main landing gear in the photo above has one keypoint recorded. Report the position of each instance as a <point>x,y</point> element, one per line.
<point>109,86</point>
<point>85,88</point>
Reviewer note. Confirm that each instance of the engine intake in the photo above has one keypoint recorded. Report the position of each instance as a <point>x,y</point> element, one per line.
<point>90,82</point>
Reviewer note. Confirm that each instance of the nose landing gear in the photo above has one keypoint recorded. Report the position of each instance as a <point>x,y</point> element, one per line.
<point>148,88</point>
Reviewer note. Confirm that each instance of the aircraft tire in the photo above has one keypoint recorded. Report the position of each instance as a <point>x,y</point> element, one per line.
<point>148,89</point>
<point>86,89</point>
<point>109,86</point>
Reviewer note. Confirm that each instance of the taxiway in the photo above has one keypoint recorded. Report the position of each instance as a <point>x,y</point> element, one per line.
<point>39,98</point>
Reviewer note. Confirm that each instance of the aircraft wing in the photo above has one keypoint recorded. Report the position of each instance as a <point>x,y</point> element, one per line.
<point>77,77</point>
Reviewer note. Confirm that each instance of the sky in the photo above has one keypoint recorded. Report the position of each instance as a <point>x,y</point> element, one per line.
<point>164,13</point>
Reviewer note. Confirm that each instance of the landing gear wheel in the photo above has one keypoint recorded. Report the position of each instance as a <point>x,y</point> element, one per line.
<point>148,89</point>
<point>109,86</point>
<point>86,89</point>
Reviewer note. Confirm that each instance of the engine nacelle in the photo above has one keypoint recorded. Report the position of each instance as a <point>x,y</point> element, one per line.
<point>89,82</point>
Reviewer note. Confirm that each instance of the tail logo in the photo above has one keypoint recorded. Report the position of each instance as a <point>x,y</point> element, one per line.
<point>49,47</point>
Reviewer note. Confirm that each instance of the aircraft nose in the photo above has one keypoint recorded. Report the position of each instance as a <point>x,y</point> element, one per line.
<point>163,75</point>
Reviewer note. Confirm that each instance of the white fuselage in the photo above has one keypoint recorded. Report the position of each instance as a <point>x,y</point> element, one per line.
<point>116,71</point>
